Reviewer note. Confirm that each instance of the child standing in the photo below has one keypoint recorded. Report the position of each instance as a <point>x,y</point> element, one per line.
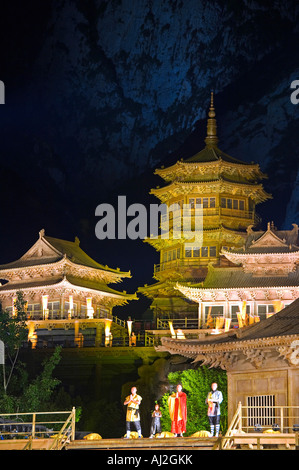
<point>156,421</point>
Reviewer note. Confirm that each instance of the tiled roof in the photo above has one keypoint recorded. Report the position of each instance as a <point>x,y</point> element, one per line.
<point>75,281</point>
<point>228,278</point>
<point>209,154</point>
<point>282,324</point>
<point>285,322</point>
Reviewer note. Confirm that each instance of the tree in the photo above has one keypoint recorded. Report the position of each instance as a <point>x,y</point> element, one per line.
<point>196,384</point>
<point>13,332</point>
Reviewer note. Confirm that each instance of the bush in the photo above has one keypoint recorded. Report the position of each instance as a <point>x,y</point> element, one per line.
<point>196,384</point>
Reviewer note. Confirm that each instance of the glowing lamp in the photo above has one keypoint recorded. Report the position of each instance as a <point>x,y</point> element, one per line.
<point>71,309</point>
<point>90,309</point>
<point>45,306</point>
<point>180,334</point>
<point>32,336</point>
<point>129,324</point>
<point>14,308</point>
<point>173,335</point>
<point>227,324</point>
<point>107,332</point>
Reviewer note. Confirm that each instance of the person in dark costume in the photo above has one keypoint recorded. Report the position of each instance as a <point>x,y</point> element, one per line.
<point>213,401</point>
<point>156,421</point>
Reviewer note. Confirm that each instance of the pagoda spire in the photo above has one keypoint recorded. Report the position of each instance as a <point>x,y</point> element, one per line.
<point>211,140</point>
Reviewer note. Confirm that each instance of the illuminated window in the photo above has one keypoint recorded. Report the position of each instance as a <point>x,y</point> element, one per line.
<point>212,202</point>
<point>188,252</point>
<point>205,251</point>
<point>205,202</point>
<point>67,307</point>
<point>214,310</point>
<point>54,307</point>
<point>196,252</point>
<point>34,308</point>
<point>236,204</point>
<point>234,309</point>
<point>212,251</point>
<point>263,310</point>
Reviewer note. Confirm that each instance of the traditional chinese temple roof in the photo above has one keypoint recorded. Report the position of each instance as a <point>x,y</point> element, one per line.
<point>271,240</point>
<point>47,250</point>
<point>235,278</point>
<point>280,328</point>
<point>211,162</point>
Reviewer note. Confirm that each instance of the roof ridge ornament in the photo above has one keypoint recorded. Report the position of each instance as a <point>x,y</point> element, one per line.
<point>211,140</point>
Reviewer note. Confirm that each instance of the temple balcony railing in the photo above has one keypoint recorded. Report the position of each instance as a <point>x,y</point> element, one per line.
<point>250,216</point>
<point>64,314</point>
<point>182,263</point>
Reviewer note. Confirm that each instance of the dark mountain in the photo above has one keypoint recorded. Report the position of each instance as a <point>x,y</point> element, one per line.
<point>100,93</point>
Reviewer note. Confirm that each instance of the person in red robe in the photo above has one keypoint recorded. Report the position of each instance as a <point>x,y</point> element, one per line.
<point>177,403</point>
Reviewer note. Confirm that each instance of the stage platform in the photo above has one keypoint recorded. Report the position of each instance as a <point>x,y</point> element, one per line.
<point>163,444</point>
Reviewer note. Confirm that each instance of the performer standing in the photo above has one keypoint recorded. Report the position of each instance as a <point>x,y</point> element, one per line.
<point>133,416</point>
<point>177,403</point>
<point>213,401</point>
<point>156,421</point>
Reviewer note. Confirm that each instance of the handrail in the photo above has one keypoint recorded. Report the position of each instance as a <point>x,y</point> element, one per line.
<point>185,323</point>
<point>119,321</point>
<point>292,438</point>
<point>65,433</point>
<point>286,415</point>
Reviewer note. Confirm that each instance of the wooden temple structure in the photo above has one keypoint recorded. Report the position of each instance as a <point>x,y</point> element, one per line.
<point>66,291</point>
<point>262,365</point>
<point>262,278</point>
<point>227,190</point>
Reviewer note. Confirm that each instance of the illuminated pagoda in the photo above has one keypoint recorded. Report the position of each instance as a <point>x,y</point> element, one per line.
<point>64,289</point>
<point>228,191</point>
<point>262,279</point>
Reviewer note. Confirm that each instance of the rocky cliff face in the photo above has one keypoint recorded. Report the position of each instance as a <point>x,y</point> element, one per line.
<point>116,88</point>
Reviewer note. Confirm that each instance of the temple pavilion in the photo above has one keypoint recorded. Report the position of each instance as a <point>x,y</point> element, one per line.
<point>227,190</point>
<point>66,292</point>
<point>262,279</point>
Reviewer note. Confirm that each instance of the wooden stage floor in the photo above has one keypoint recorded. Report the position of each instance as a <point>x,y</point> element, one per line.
<point>169,443</point>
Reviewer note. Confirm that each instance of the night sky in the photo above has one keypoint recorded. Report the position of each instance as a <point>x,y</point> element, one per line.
<point>99,94</point>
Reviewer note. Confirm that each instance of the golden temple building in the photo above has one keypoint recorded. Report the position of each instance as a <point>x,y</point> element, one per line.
<point>227,191</point>
<point>262,279</point>
<point>66,292</point>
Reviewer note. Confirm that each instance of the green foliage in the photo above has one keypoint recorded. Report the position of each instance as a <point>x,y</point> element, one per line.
<point>196,384</point>
<point>40,391</point>
<point>13,330</point>
<point>35,396</point>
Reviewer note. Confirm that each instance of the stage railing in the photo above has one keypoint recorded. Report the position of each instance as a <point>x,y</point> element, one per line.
<point>251,422</point>
<point>59,426</point>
